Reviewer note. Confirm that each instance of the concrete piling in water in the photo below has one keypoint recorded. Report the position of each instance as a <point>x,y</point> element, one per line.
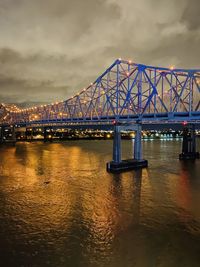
<point>189,144</point>
<point>119,165</point>
<point>10,137</point>
<point>117,145</point>
<point>48,134</point>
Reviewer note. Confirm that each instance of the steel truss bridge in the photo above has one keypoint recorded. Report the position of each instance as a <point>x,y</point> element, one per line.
<point>126,93</point>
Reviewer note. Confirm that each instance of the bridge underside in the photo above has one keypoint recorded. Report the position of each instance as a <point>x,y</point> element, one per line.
<point>109,127</point>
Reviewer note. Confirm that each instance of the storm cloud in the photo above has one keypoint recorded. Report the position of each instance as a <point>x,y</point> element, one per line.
<point>50,49</point>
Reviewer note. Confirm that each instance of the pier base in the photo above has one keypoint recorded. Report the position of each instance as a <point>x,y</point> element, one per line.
<point>10,137</point>
<point>2,139</point>
<point>119,165</point>
<point>189,145</point>
<point>126,165</point>
<point>48,135</point>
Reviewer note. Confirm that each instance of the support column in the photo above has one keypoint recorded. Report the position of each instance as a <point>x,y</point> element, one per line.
<point>9,137</point>
<point>117,145</point>
<point>29,134</point>
<point>138,144</point>
<point>1,134</point>
<point>13,134</point>
<point>189,144</point>
<point>26,134</point>
<point>193,137</point>
<point>119,165</point>
<point>48,134</point>
<point>185,141</point>
<point>45,134</point>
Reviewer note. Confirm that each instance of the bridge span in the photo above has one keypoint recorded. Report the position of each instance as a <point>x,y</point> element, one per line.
<point>125,96</point>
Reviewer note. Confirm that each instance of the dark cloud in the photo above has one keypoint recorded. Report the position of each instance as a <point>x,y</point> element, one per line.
<point>20,90</point>
<point>51,49</point>
<point>191,15</point>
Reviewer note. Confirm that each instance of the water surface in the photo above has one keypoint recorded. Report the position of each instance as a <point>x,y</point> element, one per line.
<point>59,207</point>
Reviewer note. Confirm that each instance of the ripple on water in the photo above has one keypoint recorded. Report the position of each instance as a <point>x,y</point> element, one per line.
<point>59,207</point>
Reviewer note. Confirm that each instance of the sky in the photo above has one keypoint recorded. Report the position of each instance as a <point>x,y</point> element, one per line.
<point>51,49</point>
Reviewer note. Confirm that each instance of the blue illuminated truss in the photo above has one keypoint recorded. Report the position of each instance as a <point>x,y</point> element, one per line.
<point>125,92</point>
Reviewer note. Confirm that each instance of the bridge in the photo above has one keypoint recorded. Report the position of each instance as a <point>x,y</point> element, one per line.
<point>127,96</point>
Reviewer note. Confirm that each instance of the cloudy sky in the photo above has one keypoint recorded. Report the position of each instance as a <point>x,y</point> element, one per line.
<point>50,49</point>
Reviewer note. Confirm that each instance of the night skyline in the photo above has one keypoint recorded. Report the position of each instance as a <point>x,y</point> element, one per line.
<point>50,50</point>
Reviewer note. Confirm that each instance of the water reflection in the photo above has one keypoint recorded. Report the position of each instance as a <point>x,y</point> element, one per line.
<point>59,207</point>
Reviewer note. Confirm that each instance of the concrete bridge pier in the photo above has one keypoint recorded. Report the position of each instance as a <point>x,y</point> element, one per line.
<point>189,144</point>
<point>117,145</point>
<point>47,134</point>
<point>29,134</point>
<point>137,152</point>
<point>9,137</point>
<point>119,165</point>
<point>2,137</point>
<point>26,134</point>
<point>13,134</point>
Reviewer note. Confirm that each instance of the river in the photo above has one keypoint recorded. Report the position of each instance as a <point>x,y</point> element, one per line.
<point>59,207</point>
